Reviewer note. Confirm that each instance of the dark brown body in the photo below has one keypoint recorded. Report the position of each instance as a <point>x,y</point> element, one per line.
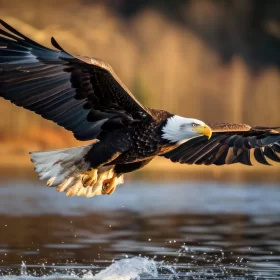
<point>131,148</point>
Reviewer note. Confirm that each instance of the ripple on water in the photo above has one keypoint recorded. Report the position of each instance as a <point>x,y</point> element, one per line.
<point>226,231</point>
<point>195,265</point>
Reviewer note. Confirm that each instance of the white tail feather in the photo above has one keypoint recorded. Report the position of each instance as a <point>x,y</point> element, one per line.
<point>63,169</point>
<point>58,165</point>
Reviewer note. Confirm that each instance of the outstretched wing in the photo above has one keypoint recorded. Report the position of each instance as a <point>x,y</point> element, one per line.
<point>81,94</point>
<point>230,143</point>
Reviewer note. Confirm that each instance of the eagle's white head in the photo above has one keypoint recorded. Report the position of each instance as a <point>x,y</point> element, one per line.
<point>178,129</point>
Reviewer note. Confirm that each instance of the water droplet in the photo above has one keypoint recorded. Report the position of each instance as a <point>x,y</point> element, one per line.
<point>23,270</point>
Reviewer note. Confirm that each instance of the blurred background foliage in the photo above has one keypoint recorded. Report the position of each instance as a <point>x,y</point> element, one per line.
<point>216,60</point>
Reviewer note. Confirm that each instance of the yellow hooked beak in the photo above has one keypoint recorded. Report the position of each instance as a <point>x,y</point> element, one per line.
<point>204,129</point>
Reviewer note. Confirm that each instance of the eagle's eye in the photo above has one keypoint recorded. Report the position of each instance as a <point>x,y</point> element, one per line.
<point>194,124</point>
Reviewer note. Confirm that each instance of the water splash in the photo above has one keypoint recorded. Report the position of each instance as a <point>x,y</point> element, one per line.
<point>188,262</point>
<point>125,269</point>
<point>128,269</point>
<point>23,269</point>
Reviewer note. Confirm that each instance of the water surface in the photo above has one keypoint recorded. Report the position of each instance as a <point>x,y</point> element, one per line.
<point>160,230</point>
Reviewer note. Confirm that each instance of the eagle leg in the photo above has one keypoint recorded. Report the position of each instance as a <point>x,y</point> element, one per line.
<point>89,178</point>
<point>109,185</point>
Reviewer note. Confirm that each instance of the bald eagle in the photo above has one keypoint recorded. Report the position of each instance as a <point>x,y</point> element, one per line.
<point>84,95</point>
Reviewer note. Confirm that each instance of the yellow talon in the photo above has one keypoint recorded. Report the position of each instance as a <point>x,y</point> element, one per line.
<point>109,185</point>
<point>89,178</point>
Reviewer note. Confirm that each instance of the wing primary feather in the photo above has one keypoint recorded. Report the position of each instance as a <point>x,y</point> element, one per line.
<point>244,156</point>
<point>56,45</point>
<point>11,52</point>
<point>259,156</point>
<point>191,159</point>
<point>276,147</point>
<point>54,90</point>
<point>76,120</point>
<point>53,101</point>
<point>63,108</point>
<point>71,118</point>
<point>20,96</point>
<point>208,157</point>
<point>32,76</point>
<point>221,155</point>
<point>202,150</point>
<point>184,148</point>
<point>269,152</point>
<point>14,31</point>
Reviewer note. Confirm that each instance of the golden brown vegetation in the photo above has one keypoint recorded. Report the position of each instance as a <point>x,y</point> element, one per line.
<point>163,63</point>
